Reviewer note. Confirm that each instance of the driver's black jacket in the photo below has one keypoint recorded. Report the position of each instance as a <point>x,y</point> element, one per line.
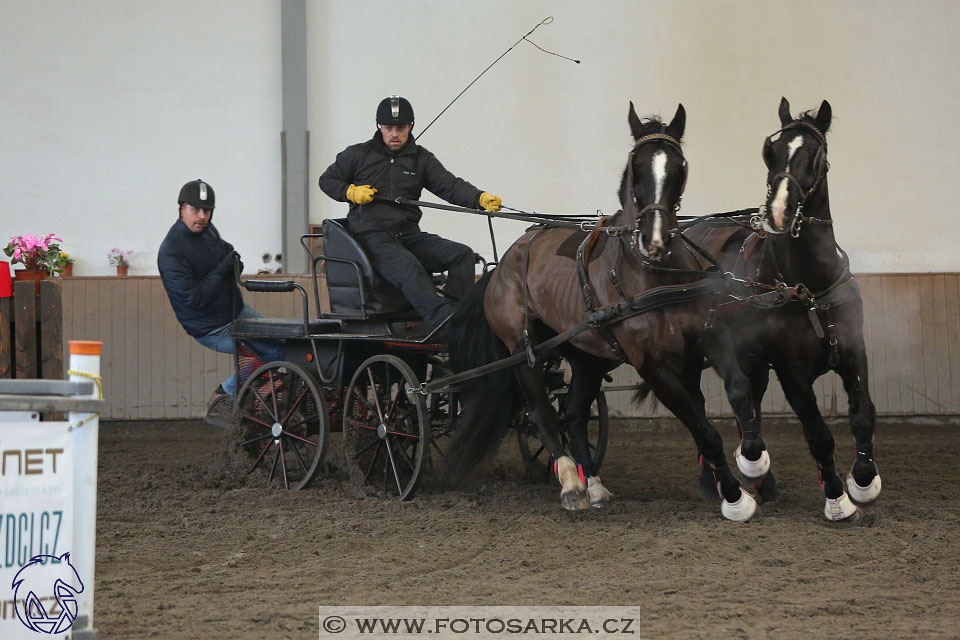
<point>402,174</point>
<point>198,281</point>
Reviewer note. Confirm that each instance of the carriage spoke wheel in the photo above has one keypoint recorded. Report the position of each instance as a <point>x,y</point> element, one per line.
<point>284,424</point>
<point>443,411</point>
<point>534,453</point>
<point>386,431</point>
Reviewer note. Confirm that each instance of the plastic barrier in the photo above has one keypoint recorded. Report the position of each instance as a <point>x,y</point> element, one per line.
<point>48,501</point>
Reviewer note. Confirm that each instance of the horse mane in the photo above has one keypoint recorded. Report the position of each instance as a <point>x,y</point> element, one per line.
<point>810,117</point>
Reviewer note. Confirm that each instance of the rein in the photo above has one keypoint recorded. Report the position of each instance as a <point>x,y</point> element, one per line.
<point>551,220</point>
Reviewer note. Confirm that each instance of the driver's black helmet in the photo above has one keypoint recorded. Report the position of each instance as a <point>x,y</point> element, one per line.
<point>394,110</point>
<point>198,193</point>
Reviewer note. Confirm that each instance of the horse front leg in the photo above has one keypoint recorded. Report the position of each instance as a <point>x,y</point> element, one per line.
<point>586,379</point>
<point>863,481</point>
<point>800,395</point>
<point>753,457</point>
<point>745,380</point>
<point>736,504</point>
<point>573,493</point>
<point>691,376</point>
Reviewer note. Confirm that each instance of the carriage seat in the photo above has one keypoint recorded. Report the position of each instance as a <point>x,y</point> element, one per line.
<point>349,271</point>
<point>280,327</point>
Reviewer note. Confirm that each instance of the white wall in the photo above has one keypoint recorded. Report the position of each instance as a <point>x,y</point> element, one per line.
<point>108,107</point>
<point>549,135</point>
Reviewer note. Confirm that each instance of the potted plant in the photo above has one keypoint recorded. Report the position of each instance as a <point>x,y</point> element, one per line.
<point>121,259</point>
<point>40,256</point>
<point>66,264</point>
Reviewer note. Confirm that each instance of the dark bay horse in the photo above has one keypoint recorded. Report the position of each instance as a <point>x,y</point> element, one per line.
<point>535,293</point>
<point>801,313</point>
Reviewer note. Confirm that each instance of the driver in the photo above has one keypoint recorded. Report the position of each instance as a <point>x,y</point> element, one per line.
<point>389,166</point>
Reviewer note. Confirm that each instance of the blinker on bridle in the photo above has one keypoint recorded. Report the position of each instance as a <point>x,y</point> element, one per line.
<point>653,206</point>
<point>820,164</point>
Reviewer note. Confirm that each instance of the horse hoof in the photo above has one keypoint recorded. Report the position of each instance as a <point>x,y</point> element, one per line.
<point>863,495</point>
<point>741,510</point>
<point>840,509</point>
<point>574,501</point>
<point>752,468</point>
<point>598,494</point>
<point>767,487</point>
<point>707,487</point>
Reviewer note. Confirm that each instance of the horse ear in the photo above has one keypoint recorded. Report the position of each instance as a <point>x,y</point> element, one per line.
<point>785,117</point>
<point>768,152</point>
<point>635,127</point>
<point>679,123</point>
<point>824,116</point>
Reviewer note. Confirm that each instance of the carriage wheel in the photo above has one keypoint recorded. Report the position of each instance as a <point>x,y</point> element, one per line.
<point>284,424</point>
<point>443,411</point>
<point>534,453</point>
<point>385,428</point>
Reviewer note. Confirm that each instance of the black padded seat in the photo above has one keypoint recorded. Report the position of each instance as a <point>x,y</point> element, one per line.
<point>344,278</point>
<point>280,327</point>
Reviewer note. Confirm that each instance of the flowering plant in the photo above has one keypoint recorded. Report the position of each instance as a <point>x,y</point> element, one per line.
<point>36,254</point>
<point>64,260</point>
<point>119,257</point>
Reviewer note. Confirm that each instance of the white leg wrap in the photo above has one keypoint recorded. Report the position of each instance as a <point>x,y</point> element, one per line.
<point>597,493</point>
<point>864,495</point>
<point>741,510</point>
<point>839,509</point>
<point>753,468</point>
<point>573,494</point>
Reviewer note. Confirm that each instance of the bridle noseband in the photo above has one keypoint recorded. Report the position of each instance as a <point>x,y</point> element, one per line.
<point>636,242</point>
<point>820,166</point>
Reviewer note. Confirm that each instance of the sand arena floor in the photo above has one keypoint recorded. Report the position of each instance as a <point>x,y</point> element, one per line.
<point>188,549</point>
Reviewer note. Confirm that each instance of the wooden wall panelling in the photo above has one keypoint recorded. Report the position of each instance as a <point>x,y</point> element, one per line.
<point>159,318</point>
<point>25,330</point>
<point>6,337</point>
<point>883,335</point>
<point>50,315</point>
<point>952,352</point>
<point>911,378</point>
<point>152,369</point>
<point>927,310</point>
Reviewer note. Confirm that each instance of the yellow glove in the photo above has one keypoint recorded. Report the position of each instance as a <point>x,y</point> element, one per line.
<point>489,201</point>
<point>362,194</point>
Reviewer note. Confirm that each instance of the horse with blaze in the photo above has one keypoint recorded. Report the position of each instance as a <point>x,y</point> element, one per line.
<point>797,311</point>
<point>535,293</point>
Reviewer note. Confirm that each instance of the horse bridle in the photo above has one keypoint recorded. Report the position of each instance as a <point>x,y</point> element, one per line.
<point>653,206</point>
<point>820,167</point>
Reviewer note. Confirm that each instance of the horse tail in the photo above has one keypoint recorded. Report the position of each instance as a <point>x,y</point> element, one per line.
<point>489,402</point>
<point>642,394</point>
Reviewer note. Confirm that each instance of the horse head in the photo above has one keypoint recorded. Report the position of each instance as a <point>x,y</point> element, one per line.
<point>653,182</point>
<point>796,159</point>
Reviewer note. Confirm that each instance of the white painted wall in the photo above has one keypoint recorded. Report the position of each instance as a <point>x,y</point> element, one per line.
<point>108,106</point>
<point>549,135</point>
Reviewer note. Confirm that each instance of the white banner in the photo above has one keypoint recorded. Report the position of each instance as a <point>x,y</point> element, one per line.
<point>36,531</point>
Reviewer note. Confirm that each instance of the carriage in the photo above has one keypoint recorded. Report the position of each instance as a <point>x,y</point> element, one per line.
<point>362,368</point>
<point>652,296</point>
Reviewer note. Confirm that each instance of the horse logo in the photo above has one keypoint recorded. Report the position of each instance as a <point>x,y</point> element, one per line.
<point>38,576</point>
